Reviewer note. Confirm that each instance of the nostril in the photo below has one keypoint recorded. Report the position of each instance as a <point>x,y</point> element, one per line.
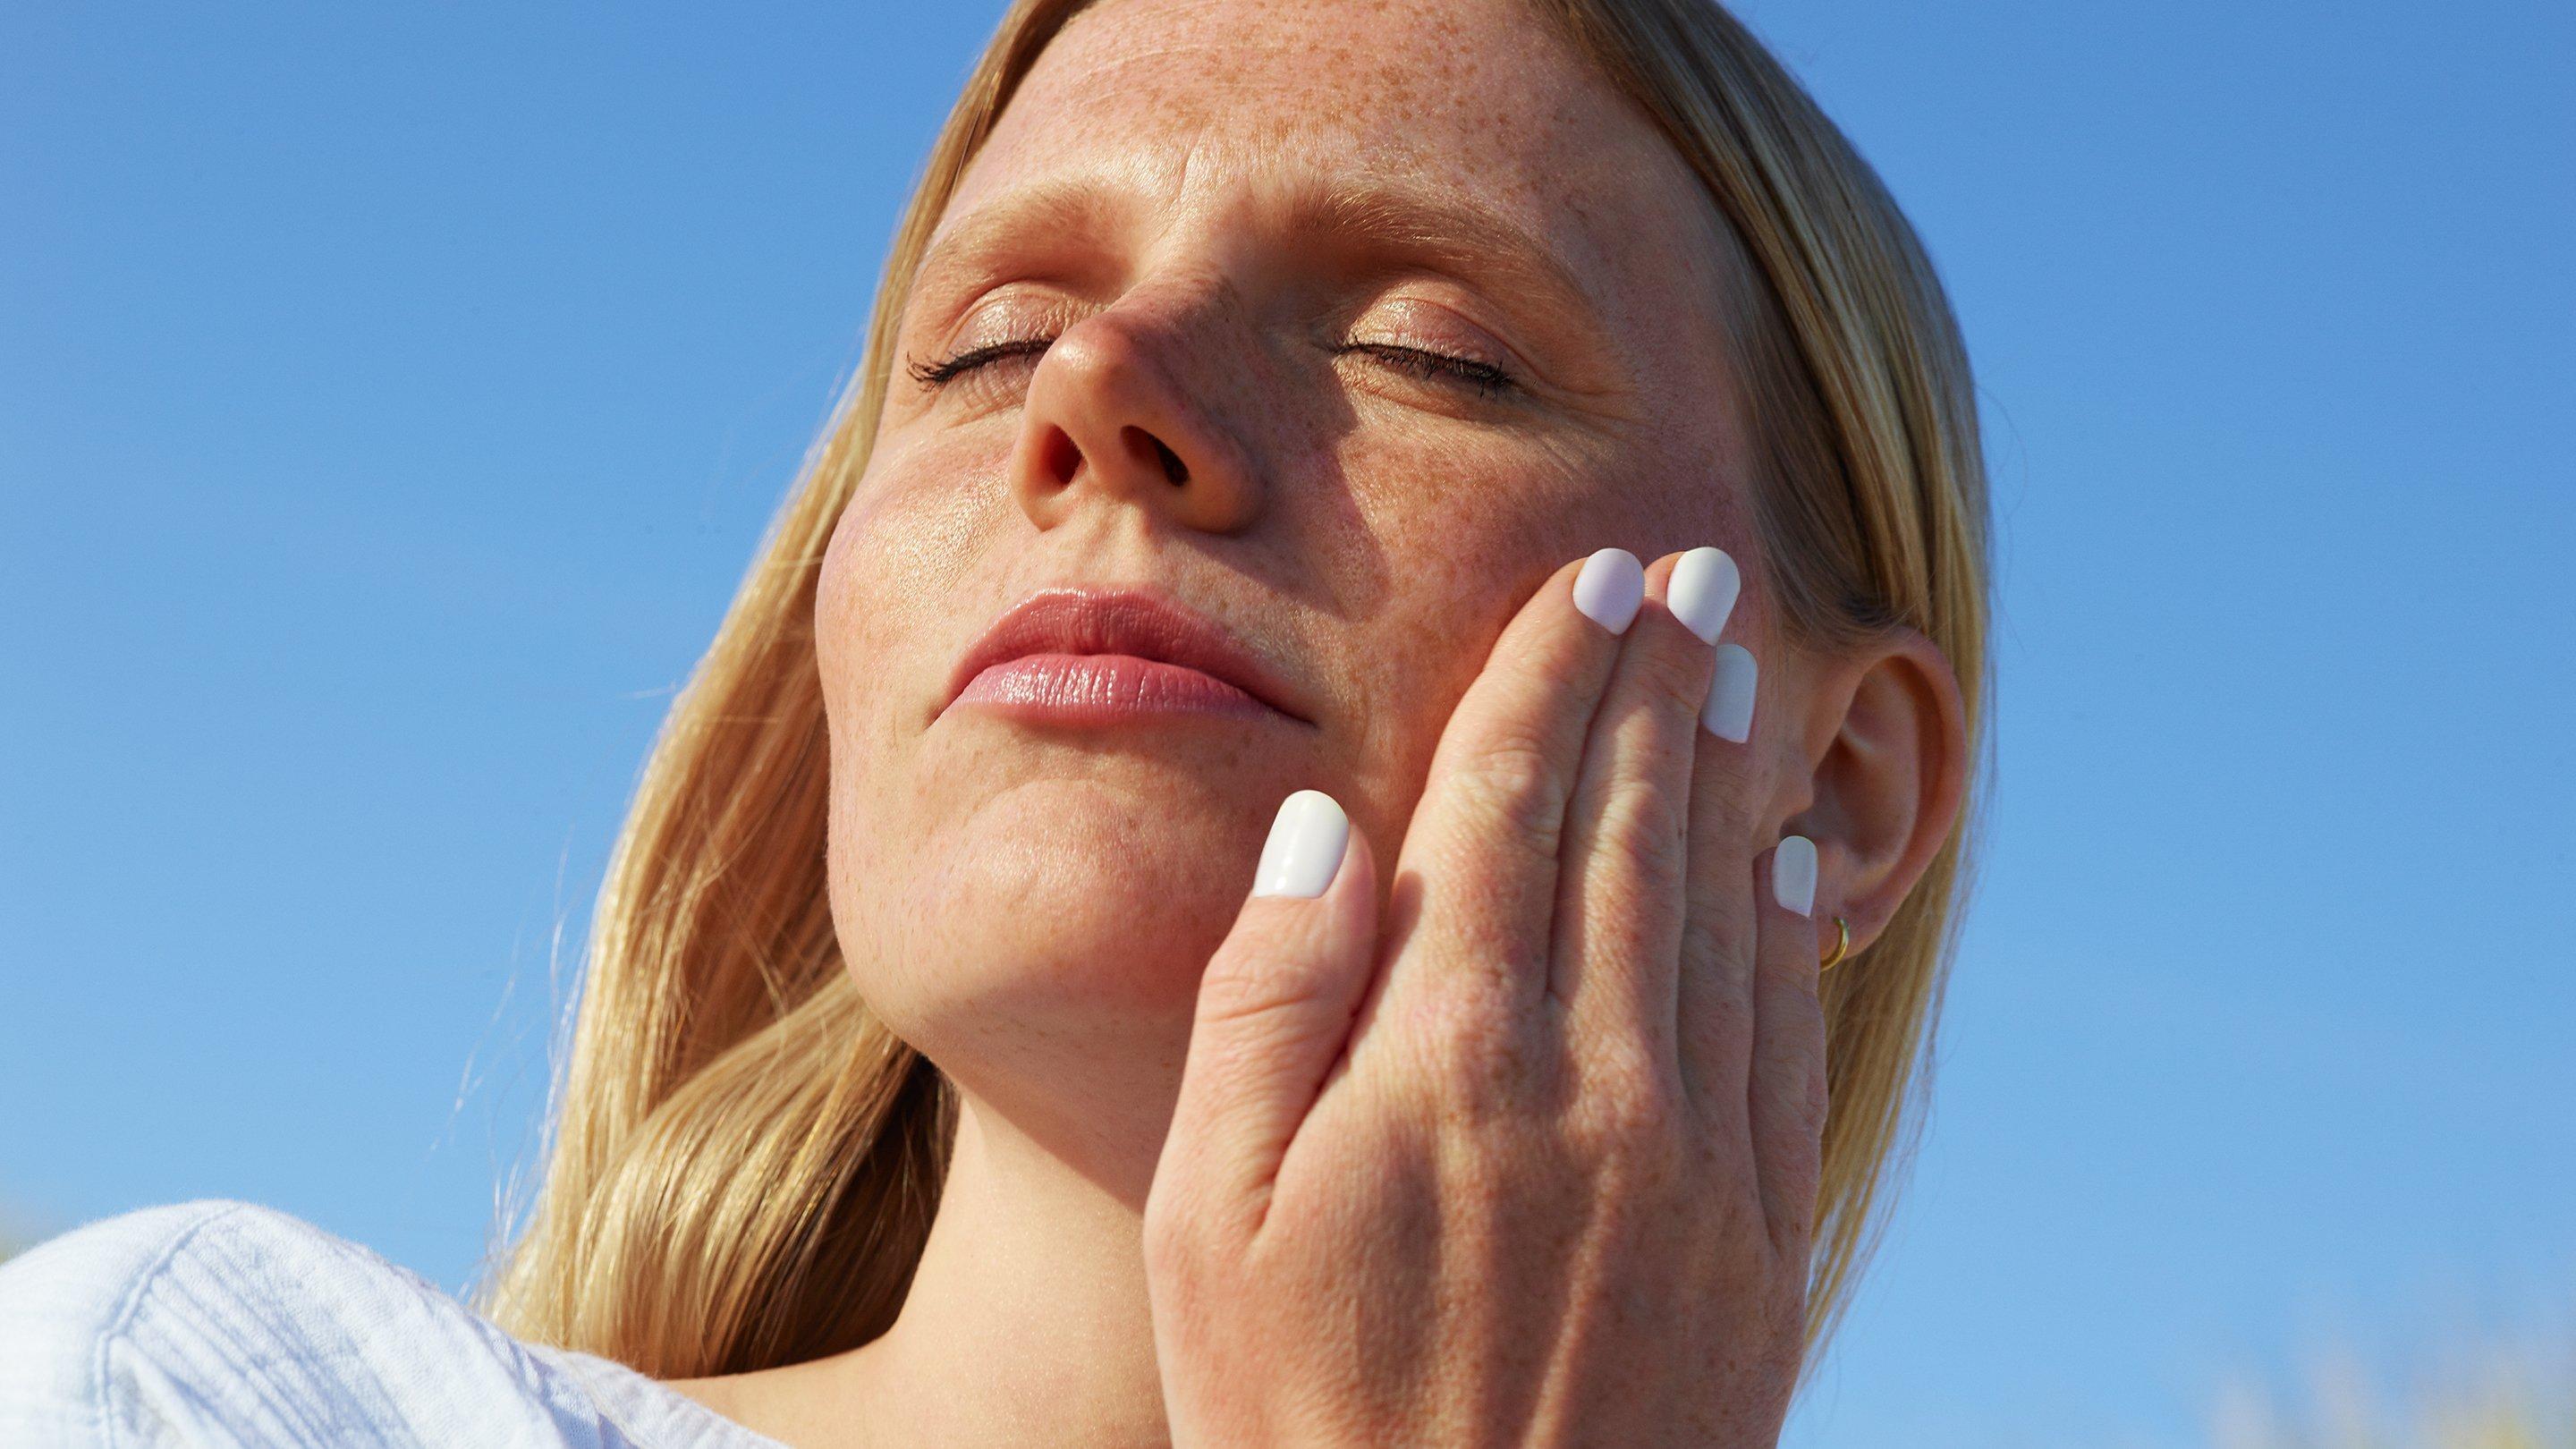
<point>1174,470</point>
<point>1063,455</point>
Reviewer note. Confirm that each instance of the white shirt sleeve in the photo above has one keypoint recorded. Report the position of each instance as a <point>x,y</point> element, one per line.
<point>225,1324</point>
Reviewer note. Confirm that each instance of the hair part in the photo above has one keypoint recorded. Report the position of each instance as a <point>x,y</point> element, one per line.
<point>743,1160</point>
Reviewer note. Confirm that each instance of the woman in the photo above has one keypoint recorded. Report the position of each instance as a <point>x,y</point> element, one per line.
<point>1203,893</point>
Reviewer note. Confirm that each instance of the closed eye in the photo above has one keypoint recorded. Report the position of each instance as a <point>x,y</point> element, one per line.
<point>1487,379</point>
<point>935,374</point>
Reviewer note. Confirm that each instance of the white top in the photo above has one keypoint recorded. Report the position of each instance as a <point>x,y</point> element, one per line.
<point>222,1323</point>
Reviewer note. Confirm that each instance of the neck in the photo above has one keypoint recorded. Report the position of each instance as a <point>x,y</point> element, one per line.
<point>1026,1323</point>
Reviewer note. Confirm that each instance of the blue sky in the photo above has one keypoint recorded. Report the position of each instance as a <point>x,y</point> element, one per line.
<point>390,399</point>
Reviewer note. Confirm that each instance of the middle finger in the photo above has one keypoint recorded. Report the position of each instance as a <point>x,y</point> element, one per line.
<point>1620,899</point>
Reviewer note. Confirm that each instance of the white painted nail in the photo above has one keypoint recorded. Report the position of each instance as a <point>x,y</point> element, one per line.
<point>1793,874</point>
<point>1702,590</point>
<point>1610,587</point>
<point>1729,710</point>
<point>1305,847</point>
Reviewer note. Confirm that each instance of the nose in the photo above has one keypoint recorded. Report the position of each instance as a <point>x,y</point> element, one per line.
<point>1109,412</point>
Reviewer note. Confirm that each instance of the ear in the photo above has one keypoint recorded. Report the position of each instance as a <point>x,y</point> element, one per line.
<point>1886,749</point>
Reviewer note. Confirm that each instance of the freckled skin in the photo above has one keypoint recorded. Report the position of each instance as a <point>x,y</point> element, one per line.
<point>1033,906</point>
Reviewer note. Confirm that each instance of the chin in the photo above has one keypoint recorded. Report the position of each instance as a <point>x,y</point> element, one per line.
<point>1059,913</point>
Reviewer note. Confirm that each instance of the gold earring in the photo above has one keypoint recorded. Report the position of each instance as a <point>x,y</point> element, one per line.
<point>1842,943</point>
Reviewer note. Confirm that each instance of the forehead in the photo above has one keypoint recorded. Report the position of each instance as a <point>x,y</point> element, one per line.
<point>1474,105</point>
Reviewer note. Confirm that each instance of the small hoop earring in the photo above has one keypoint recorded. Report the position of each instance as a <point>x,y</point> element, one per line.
<point>1842,944</point>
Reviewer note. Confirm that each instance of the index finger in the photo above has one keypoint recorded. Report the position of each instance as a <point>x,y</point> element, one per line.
<point>1482,846</point>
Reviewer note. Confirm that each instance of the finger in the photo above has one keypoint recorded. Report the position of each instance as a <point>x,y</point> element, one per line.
<point>1714,997</point>
<point>1620,901</point>
<point>1785,1108</point>
<point>1484,839</point>
<point>1274,1009</point>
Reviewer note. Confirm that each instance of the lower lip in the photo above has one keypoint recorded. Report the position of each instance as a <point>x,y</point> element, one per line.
<point>1104,689</point>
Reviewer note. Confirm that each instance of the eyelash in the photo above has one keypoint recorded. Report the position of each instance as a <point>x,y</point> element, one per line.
<point>1487,379</point>
<point>937,374</point>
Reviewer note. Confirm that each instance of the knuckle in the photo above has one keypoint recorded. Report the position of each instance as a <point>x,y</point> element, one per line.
<point>1251,999</point>
<point>1627,1097</point>
<point>1224,1065</point>
<point>1720,1019</point>
<point>1708,937</point>
<point>1649,824</point>
<point>1241,1028</point>
<point>1517,781</point>
<point>1478,1050</point>
<point>1792,1083</point>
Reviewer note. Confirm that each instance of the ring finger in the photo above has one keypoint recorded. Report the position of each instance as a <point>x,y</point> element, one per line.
<point>1620,900</point>
<point>1714,1002</point>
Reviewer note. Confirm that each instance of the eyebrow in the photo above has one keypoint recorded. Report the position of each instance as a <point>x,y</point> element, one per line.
<point>1446,234</point>
<point>1046,208</point>
<point>1407,222</point>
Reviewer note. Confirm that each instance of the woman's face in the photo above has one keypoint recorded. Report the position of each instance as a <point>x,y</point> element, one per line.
<point>1223,213</point>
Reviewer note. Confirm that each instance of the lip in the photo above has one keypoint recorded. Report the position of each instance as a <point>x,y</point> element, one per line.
<point>1095,655</point>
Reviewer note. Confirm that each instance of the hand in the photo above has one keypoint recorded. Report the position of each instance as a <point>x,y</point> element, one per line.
<point>1536,1164</point>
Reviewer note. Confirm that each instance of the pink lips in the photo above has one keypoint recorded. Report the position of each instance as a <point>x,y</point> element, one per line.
<point>1104,688</point>
<point>1103,656</point>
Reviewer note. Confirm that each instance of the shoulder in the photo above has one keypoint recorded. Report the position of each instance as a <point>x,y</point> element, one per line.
<point>102,1277</point>
<point>63,1302</point>
<point>229,1323</point>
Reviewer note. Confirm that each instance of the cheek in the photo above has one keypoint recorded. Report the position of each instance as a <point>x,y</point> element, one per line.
<point>1468,531</point>
<point>1465,531</point>
<point>913,527</point>
<point>882,645</point>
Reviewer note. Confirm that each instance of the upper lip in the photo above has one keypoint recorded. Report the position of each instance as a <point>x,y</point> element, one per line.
<point>1142,622</point>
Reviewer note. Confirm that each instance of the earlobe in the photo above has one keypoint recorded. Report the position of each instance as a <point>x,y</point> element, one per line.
<point>1889,763</point>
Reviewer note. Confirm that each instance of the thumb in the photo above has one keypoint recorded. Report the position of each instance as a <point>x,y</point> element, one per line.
<point>1274,1010</point>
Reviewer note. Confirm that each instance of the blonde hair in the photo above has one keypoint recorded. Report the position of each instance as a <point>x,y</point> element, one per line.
<point>744,1160</point>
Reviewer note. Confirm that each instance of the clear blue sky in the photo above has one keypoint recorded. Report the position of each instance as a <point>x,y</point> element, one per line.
<point>391,397</point>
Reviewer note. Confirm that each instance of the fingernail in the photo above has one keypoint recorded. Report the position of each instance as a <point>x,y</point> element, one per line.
<point>1729,710</point>
<point>1793,874</point>
<point>1305,846</point>
<point>1610,587</point>
<point>1702,590</point>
